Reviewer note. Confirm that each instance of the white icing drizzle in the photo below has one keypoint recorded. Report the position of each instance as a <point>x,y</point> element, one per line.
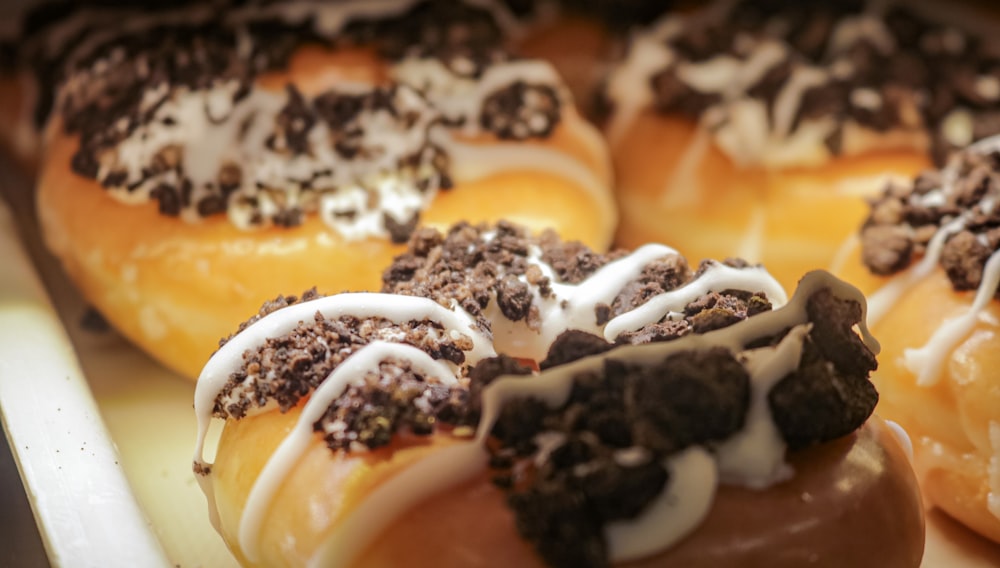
<point>350,372</point>
<point>741,125</point>
<point>683,187</point>
<point>752,242</point>
<point>789,100</point>
<point>902,437</point>
<point>628,84</point>
<point>571,306</point>
<point>716,278</point>
<point>462,98</point>
<point>926,362</point>
<point>753,457</point>
<point>440,471</point>
<point>993,497</point>
<point>396,308</point>
<point>883,299</point>
<point>685,503</point>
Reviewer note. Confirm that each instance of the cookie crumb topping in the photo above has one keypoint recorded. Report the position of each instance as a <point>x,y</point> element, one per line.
<point>168,109</point>
<point>957,204</point>
<point>782,83</point>
<point>287,368</point>
<point>481,268</point>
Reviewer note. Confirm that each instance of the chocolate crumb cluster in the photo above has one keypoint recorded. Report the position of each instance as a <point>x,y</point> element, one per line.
<point>393,398</point>
<point>600,457</point>
<point>474,266</point>
<point>135,93</point>
<point>881,66</point>
<point>285,369</point>
<point>521,111</point>
<point>961,200</point>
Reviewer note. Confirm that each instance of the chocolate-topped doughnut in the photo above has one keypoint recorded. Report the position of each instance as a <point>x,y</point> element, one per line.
<point>757,127</point>
<point>199,158</point>
<point>412,425</point>
<point>928,256</point>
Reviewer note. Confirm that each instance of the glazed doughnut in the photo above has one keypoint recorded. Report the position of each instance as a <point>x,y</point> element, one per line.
<point>384,429</point>
<point>39,42</point>
<point>241,151</point>
<point>756,127</point>
<point>928,258</point>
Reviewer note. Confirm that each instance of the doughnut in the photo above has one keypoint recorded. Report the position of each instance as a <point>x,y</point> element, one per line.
<point>235,152</point>
<point>559,407</point>
<point>38,43</point>
<point>928,256</point>
<point>757,127</point>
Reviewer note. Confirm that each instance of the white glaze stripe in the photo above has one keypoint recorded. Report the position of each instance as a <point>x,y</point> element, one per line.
<point>880,302</point>
<point>755,457</point>
<point>716,278</point>
<point>439,472</point>
<point>927,362</point>
<point>229,357</point>
<point>685,502</point>
<point>350,372</point>
<point>570,306</point>
<point>902,437</point>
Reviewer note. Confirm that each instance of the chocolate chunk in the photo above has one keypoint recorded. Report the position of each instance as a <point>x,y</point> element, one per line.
<point>818,402</point>
<point>663,331</point>
<point>619,493</point>
<point>168,198</point>
<point>294,122</point>
<point>211,205</point>
<point>483,374</point>
<point>833,322</point>
<point>399,233</point>
<point>513,297</point>
<point>557,522</point>
<point>886,249</point>
<point>717,310</point>
<point>520,111</point>
<point>963,258</point>
<point>690,398</point>
<point>971,188</point>
<point>571,345</point>
<point>572,261</point>
<point>518,423</point>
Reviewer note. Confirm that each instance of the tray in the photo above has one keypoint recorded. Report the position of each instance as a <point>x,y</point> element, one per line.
<point>102,435</point>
